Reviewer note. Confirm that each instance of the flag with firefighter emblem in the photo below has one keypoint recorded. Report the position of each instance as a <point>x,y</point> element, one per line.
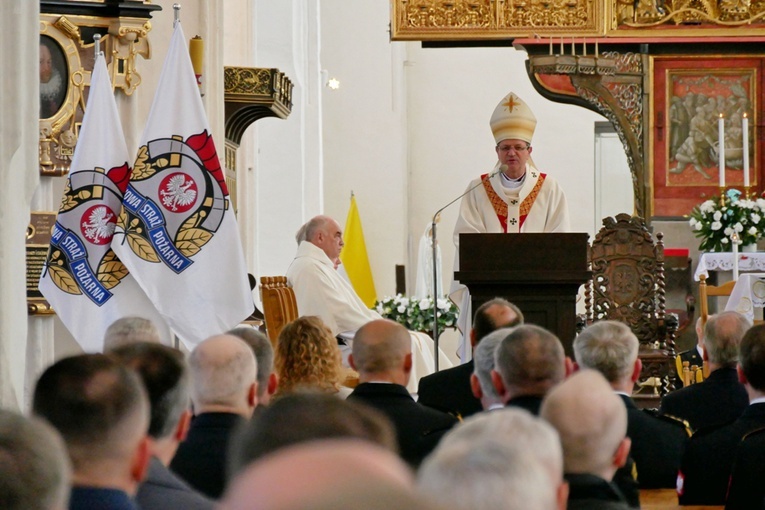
<point>83,279</point>
<point>177,232</point>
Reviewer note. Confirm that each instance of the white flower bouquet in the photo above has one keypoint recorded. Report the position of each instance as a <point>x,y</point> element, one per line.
<point>715,224</point>
<point>417,314</point>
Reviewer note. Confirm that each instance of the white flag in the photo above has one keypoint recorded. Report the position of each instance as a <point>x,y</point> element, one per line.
<point>83,279</point>
<point>177,231</point>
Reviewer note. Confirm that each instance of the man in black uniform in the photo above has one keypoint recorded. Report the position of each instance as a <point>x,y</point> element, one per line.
<point>721,398</point>
<point>694,357</point>
<point>708,460</point>
<point>528,362</point>
<point>611,348</point>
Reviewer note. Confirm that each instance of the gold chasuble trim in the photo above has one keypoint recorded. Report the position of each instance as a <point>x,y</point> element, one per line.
<point>529,200</point>
<point>499,205</point>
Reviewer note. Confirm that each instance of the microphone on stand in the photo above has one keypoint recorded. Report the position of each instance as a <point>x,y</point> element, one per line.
<point>501,168</point>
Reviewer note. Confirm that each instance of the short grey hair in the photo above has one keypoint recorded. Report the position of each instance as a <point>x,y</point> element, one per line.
<point>263,351</point>
<point>486,474</point>
<point>128,330</point>
<point>610,347</point>
<point>313,227</point>
<point>515,427</point>
<point>34,465</point>
<point>530,355</point>
<point>722,336</point>
<point>483,362</point>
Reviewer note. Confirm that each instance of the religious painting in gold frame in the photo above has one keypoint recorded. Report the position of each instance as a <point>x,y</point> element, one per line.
<point>689,95</point>
<point>63,80</point>
<point>68,39</point>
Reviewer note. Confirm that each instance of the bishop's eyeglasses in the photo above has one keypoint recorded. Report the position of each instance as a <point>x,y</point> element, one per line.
<point>516,148</point>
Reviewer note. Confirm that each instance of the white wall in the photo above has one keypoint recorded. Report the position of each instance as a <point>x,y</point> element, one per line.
<point>441,125</point>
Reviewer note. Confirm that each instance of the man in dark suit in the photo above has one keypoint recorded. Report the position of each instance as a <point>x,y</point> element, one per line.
<point>721,398</point>
<point>101,410</point>
<point>708,460</point>
<point>449,390</point>
<point>592,425</point>
<point>382,356</point>
<point>224,392</point>
<point>165,377</point>
<point>611,348</point>
<point>528,362</point>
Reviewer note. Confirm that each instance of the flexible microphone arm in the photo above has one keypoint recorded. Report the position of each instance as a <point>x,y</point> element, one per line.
<point>502,168</point>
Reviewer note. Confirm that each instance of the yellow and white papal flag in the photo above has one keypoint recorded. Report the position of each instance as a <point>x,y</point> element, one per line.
<point>355,259</point>
<point>83,279</point>
<point>177,231</point>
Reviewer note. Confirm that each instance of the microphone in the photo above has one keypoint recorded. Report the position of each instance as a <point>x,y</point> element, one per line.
<point>501,168</point>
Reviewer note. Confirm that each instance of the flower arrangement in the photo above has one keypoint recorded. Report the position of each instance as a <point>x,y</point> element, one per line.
<point>417,314</point>
<point>716,223</point>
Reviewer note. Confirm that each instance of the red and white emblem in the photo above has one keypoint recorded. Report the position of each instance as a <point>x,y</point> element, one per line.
<point>97,225</point>
<point>178,192</point>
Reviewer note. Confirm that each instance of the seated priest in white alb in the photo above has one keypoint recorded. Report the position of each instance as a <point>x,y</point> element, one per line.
<point>321,291</point>
<point>515,197</point>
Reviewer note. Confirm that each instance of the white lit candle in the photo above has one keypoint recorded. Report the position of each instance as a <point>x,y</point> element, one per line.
<point>745,145</point>
<point>734,242</point>
<point>721,148</point>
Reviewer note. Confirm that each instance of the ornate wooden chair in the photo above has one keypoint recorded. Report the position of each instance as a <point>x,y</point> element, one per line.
<point>628,286</point>
<point>279,305</point>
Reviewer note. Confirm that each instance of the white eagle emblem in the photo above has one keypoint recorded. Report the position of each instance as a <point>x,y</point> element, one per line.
<point>177,192</point>
<point>99,226</point>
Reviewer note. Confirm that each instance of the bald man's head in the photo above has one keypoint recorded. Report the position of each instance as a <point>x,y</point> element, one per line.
<point>381,346</point>
<point>297,475</point>
<point>592,423</point>
<point>223,376</point>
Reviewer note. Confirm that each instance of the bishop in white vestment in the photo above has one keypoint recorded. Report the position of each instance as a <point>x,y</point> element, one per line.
<point>514,198</point>
<point>321,291</point>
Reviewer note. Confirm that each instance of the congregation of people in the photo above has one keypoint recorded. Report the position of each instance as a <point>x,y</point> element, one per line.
<point>237,424</point>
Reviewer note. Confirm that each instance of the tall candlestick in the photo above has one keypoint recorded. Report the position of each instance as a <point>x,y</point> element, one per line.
<point>721,148</point>
<point>745,146</point>
<point>561,45</point>
<point>596,47</point>
<point>573,49</point>
<point>584,46</point>
<point>551,50</point>
<point>734,242</point>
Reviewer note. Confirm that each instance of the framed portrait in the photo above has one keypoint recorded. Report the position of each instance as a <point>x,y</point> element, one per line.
<point>54,77</point>
<point>690,96</point>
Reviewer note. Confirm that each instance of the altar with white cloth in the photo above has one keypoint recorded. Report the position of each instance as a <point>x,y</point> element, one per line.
<point>748,294</point>
<point>723,261</point>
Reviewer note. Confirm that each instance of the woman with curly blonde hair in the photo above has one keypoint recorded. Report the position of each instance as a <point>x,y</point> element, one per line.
<point>307,357</point>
